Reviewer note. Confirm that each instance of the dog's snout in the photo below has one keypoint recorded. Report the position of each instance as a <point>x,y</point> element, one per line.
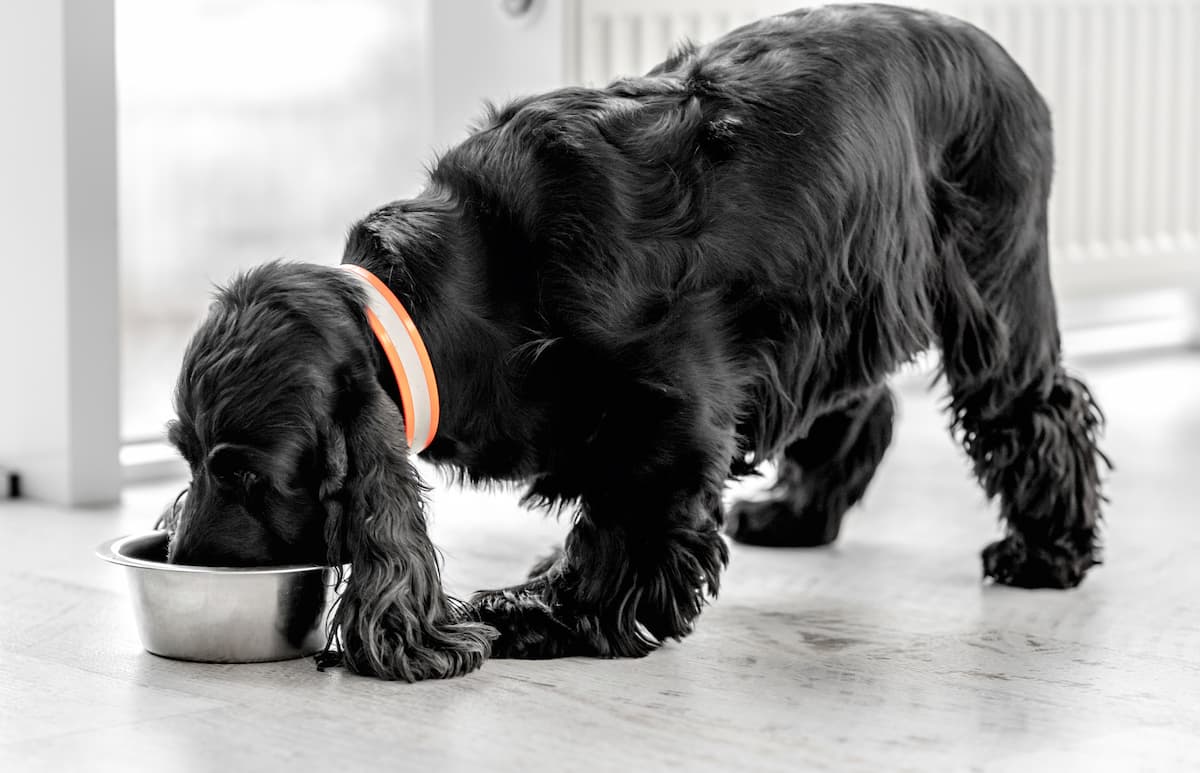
<point>181,549</point>
<point>212,532</point>
<point>195,555</point>
<point>198,548</point>
<point>194,541</point>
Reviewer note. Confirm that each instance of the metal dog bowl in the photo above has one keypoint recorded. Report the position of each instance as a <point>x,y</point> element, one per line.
<point>219,615</point>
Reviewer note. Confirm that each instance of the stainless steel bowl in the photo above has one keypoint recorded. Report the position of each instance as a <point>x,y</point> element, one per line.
<point>220,615</point>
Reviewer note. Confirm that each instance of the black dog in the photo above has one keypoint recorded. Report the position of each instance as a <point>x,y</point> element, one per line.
<point>629,295</point>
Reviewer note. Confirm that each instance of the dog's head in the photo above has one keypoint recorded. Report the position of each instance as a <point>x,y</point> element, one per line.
<point>278,360</point>
<point>298,455</point>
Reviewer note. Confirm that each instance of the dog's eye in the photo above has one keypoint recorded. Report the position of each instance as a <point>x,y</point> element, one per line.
<point>242,478</point>
<point>228,465</point>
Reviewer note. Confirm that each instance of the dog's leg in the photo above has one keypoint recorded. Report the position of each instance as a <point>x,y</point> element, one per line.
<point>1029,427</point>
<point>820,477</point>
<point>617,590</point>
<point>644,552</point>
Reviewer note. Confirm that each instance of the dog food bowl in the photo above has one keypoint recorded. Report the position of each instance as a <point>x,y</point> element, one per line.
<point>219,615</point>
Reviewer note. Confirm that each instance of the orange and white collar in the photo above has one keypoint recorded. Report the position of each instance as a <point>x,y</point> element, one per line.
<point>406,353</point>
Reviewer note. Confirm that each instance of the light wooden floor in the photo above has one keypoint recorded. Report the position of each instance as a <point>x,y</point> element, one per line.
<point>884,652</point>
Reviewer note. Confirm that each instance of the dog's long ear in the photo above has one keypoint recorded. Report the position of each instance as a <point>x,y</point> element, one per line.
<point>392,620</point>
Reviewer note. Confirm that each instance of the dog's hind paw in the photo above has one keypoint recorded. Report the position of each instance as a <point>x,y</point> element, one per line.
<point>1012,561</point>
<point>773,523</point>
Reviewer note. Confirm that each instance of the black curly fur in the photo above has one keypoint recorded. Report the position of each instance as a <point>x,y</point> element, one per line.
<point>630,294</point>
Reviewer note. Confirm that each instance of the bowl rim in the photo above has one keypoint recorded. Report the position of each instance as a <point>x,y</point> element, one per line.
<point>111,551</point>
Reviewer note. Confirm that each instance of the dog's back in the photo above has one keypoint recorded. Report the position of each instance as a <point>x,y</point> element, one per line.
<point>813,186</point>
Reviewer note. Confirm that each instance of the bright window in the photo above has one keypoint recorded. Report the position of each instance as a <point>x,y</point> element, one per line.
<point>248,131</point>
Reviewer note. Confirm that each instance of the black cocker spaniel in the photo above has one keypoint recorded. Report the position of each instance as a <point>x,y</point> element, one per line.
<point>623,297</point>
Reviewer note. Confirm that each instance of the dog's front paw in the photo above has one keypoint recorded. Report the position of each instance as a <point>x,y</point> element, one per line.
<point>529,626</point>
<point>1012,561</point>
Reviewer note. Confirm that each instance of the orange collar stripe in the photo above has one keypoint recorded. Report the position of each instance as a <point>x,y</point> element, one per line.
<point>406,354</point>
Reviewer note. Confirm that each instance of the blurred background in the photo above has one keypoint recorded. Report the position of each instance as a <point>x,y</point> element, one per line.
<point>246,130</point>
<point>249,131</point>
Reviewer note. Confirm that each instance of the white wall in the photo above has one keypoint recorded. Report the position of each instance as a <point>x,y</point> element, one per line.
<point>479,51</point>
<point>58,249</point>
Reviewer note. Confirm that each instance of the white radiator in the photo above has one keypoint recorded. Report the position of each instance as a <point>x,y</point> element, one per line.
<point>1121,76</point>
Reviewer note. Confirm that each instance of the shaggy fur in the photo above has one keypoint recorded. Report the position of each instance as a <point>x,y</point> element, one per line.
<point>631,294</point>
